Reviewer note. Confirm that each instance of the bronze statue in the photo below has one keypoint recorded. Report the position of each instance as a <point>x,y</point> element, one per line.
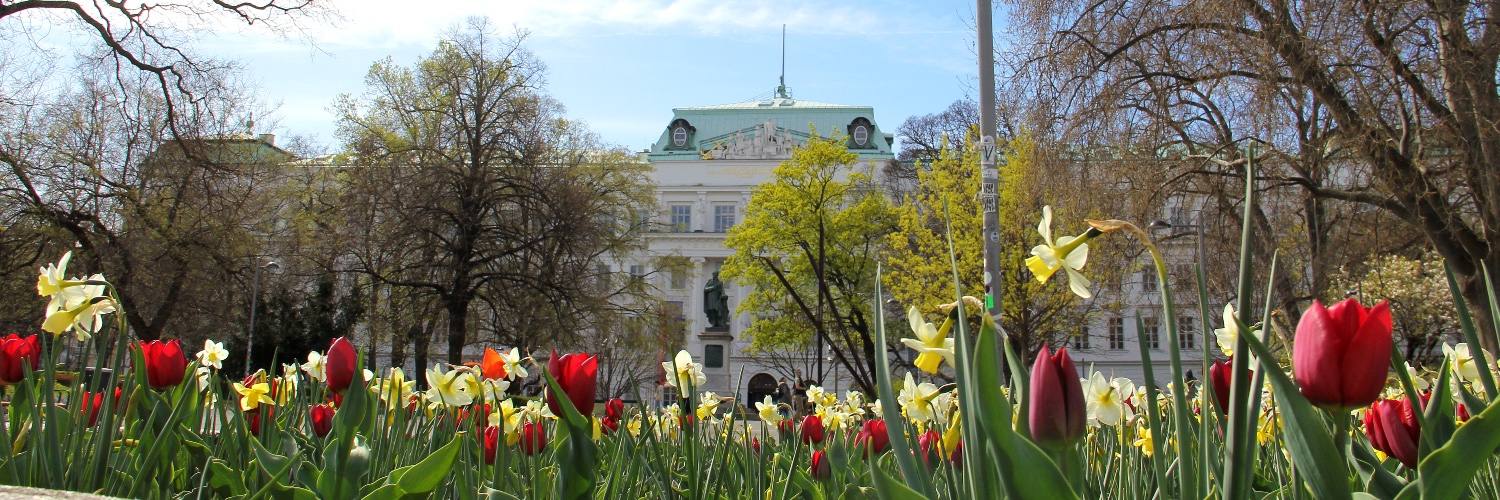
<point>716,303</point>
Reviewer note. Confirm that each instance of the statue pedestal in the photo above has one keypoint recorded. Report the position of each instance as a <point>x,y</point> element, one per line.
<point>712,333</point>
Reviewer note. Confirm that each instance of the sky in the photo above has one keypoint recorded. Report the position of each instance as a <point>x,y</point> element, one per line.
<point>622,65</point>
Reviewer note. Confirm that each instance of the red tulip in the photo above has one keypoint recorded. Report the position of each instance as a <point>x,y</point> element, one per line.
<point>1341,354</point>
<point>609,425</point>
<point>252,418</point>
<point>576,373</point>
<point>786,428</point>
<point>491,438</point>
<point>91,403</point>
<point>958,455</point>
<point>492,367</point>
<point>166,366</point>
<point>755,444</point>
<point>614,409</point>
<point>872,437</point>
<point>1392,427</point>
<point>1057,409</point>
<point>1220,376</point>
<point>322,419</point>
<point>1462,412</point>
<point>14,353</point>
<point>812,430</point>
<point>339,366</point>
<point>930,444</point>
<point>820,468</point>
<point>533,438</point>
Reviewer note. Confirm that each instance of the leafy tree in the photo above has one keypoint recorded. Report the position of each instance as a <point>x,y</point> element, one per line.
<point>1421,304</point>
<point>918,269</point>
<point>808,248</point>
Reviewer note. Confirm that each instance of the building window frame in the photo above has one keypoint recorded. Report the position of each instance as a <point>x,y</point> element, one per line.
<point>1116,333</point>
<point>724,217</point>
<point>681,217</point>
<point>1152,326</point>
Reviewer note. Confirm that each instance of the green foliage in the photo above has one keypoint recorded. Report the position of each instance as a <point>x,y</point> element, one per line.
<point>805,249</point>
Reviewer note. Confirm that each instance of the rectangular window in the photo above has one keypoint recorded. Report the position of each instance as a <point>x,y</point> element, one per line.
<point>679,280</point>
<point>1148,281</point>
<point>682,218</point>
<point>1153,332</point>
<point>1081,339</point>
<point>1185,335</point>
<point>674,310</point>
<point>637,271</point>
<point>723,218</point>
<point>713,356</point>
<point>1117,333</point>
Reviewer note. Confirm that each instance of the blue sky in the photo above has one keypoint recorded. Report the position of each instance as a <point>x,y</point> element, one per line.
<point>622,65</point>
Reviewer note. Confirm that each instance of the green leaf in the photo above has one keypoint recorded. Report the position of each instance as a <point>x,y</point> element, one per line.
<point>1447,472</point>
<point>887,488</point>
<point>1027,471</point>
<point>1438,424</point>
<point>427,475</point>
<point>223,481</point>
<point>387,492</point>
<point>901,444</point>
<point>1307,438</point>
<point>1377,480</point>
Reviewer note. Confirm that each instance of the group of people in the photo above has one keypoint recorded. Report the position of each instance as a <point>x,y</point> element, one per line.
<point>793,395</point>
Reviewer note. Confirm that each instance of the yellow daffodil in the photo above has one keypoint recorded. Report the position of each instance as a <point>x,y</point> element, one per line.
<point>933,346</point>
<point>1143,441</point>
<point>708,404</point>
<point>1069,254</point>
<point>1269,426</point>
<point>683,373</point>
<point>81,309</point>
<point>951,439</point>
<point>634,426</point>
<point>396,390</point>
<point>255,395</point>
<point>916,399</point>
<point>449,388</point>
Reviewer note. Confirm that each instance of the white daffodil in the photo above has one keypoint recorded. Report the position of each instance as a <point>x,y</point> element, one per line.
<point>1105,399</point>
<point>942,406</point>
<point>1417,379</point>
<point>1462,361</point>
<point>202,372</point>
<point>769,413</point>
<point>683,373</point>
<point>1069,254</point>
<point>877,409</point>
<point>494,390</point>
<point>1227,336</point>
<point>316,367</point>
<point>512,360</point>
<point>79,308</point>
<point>855,400</point>
<point>53,279</point>
<point>916,399</point>
<point>816,394</point>
<point>932,346</point>
<point>536,410</point>
<point>213,354</point>
<point>449,388</point>
<point>396,390</point>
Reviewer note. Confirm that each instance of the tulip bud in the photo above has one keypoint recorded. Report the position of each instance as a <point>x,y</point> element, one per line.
<point>1057,408</point>
<point>872,437</point>
<point>1220,375</point>
<point>812,430</point>
<point>322,419</point>
<point>491,442</point>
<point>577,374</point>
<point>820,469</point>
<point>755,444</point>
<point>1391,425</point>
<point>340,363</point>
<point>533,438</point>
<point>1341,354</point>
<point>166,365</point>
<point>15,352</point>
<point>930,443</point>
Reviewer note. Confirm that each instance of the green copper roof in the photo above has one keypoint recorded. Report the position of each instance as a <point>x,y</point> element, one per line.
<point>766,129</point>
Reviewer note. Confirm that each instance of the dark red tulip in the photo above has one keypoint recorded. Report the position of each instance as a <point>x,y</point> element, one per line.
<point>533,438</point>
<point>812,429</point>
<point>1462,412</point>
<point>609,425</point>
<point>166,366</point>
<point>1392,427</point>
<point>1341,354</point>
<point>786,428</point>
<point>614,409</point>
<point>958,454</point>
<point>872,437</point>
<point>15,352</point>
<point>576,373</point>
<point>491,438</point>
<point>1220,376</point>
<point>755,444</point>
<point>930,445</point>
<point>91,403</point>
<point>1057,408</point>
<point>339,364</point>
<point>322,419</point>
<point>820,469</point>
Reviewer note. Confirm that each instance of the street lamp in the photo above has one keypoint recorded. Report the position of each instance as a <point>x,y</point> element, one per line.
<point>254,300</point>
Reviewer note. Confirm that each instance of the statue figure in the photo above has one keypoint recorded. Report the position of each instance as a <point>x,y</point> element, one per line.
<point>716,303</point>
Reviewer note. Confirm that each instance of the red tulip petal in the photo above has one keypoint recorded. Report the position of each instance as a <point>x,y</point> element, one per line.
<point>1317,357</point>
<point>1072,391</point>
<point>1368,358</point>
<point>1047,419</point>
<point>1403,444</point>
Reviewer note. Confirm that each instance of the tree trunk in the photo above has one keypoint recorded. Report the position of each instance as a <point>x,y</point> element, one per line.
<point>458,318</point>
<point>1473,290</point>
<point>423,340</point>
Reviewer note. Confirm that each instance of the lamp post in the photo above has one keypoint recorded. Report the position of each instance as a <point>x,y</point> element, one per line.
<point>254,300</point>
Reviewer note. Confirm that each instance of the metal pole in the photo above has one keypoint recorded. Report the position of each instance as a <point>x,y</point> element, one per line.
<point>989,172</point>
<point>250,336</point>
